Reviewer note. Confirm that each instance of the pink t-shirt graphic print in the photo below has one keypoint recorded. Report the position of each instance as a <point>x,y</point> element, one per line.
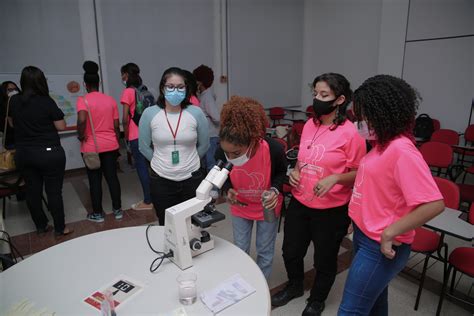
<point>324,152</point>
<point>250,180</point>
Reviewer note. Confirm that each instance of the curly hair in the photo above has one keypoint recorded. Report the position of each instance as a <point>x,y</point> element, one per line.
<point>389,106</point>
<point>204,74</point>
<point>243,120</point>
<point>340,86</point>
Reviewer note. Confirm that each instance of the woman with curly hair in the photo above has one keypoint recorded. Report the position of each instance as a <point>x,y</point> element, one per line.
<point>329,154</point>
<point>394,193</point>
<point>259,166</point>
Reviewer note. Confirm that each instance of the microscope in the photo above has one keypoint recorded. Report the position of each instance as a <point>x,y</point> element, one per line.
<point>185,223</point>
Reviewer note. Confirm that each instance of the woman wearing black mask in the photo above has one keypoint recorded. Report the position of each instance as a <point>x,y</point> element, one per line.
<point>330,151</point>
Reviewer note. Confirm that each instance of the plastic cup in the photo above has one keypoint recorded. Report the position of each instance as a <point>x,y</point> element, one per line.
<point>187,288</point>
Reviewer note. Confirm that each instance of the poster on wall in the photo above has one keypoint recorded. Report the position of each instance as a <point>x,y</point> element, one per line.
<point>64,89</point>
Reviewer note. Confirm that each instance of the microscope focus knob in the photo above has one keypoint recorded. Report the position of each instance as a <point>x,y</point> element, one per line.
<point>195,244</point>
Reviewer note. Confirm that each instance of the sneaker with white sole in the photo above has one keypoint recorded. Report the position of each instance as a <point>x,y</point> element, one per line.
<point>96,217</point>
<point>118,214</point>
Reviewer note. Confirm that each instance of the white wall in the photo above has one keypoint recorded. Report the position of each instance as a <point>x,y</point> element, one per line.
<point>43,33</point>
<point>441,68</point>
<point>155,35</point>
<point>265,50</point>
<point>340,36</point>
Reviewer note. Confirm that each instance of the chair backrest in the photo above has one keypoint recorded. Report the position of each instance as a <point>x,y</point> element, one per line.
<point>450,192</point>
<point>437,154</point>
<point>447,136</point>
<point>277,113</point>
<point>295,133</point>
<point>469,134</point>
<point>436,125</point>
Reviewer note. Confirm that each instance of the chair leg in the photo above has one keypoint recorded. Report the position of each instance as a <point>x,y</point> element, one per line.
<point>451,289</point>
<point>422,281</point>
<point>443,290</point>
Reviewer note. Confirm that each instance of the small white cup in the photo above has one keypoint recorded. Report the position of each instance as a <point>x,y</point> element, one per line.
<point>187,288</point>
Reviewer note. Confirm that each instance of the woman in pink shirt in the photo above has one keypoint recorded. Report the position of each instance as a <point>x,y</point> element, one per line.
<point>394,193</point>
<point>259,166</point>
<point>329,154</point>
<point>132,81</point>
<point>104,114</point>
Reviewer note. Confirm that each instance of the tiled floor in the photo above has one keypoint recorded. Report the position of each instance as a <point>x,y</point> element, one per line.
<point>76,200</point>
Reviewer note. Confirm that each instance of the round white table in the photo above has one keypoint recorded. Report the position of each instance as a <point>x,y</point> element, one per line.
<point>61,277</point>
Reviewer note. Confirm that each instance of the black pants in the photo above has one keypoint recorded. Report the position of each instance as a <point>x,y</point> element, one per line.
<point>326,228</point>
<point>108,167</point>
<point>46,165</point>
<point>166,193</point>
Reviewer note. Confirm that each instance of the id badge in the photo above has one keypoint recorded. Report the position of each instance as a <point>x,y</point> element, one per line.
<point>175,157</point>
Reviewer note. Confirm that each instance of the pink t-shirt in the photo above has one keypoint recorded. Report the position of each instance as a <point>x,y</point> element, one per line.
<point>250,180</point>
<point>389,185</point>
<point>104,111</point>
<point>128,98</point>
<point>324,152</point>
<point>194,100</point>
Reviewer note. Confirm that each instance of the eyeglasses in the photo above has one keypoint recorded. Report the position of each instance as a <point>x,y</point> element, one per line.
<point>171,88</point>
<point>11,89</point>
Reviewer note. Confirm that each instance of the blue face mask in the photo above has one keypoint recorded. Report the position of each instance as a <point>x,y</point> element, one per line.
<point>175,97</point>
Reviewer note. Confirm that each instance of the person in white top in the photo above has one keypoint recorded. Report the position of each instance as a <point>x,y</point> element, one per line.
<point>205,77</point>
<point>178,133</point>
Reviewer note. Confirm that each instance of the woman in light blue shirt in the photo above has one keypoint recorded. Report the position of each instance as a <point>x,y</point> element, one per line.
<point>174,136</point>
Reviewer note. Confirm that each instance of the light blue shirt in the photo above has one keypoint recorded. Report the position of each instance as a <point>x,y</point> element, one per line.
<point>156,141</point>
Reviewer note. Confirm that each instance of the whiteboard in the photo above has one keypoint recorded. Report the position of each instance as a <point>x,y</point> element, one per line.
<point>58,89</point>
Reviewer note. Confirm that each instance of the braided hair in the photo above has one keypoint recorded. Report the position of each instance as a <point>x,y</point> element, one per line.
<point>243,120</point>
<point>389,106</point>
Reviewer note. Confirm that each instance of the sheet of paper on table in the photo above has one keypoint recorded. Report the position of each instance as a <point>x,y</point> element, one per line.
<point>123,288</point>
<point>227,293</point>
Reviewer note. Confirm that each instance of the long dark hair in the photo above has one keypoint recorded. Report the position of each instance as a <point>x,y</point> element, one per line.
<point>168,73</point>
<point>133,72</point>
<point>33,82</point>
<point>389,106</point>
<point>340,86</point>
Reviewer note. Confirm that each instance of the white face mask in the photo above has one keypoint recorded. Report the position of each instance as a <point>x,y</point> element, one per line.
<point>12,93</point>
<point>239,161</point>
<point>364,131</point>
<point>124,83</point>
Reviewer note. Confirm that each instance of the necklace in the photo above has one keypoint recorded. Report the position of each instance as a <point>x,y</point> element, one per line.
<point>316,136</point>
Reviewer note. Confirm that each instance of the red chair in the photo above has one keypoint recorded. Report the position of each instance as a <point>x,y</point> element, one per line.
<point>468,141</point>
<point>467,190</point>
<point>277,114</point>
<point>428,242</point>
<point>295,133</point>
<point>436,125</point>
<point>437,155</point>
<point>447,136</point>
<point>462,260</point>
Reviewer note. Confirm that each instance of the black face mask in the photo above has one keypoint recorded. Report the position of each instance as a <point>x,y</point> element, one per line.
<point>323,107</point>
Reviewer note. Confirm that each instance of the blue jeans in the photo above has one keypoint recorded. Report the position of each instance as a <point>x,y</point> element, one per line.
<point>366,289</point>
<point>210,160</point>
<point>265,240</point>
<point>141,164</point>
